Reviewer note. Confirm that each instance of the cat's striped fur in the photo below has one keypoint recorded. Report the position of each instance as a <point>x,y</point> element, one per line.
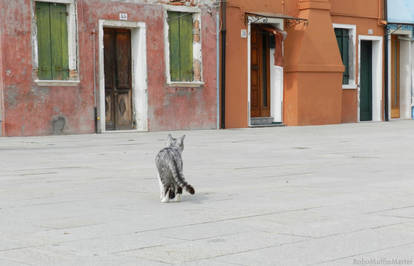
<point>170,170</point>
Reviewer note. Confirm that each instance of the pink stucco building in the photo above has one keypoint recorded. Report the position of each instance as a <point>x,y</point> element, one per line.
<point>84,66</point>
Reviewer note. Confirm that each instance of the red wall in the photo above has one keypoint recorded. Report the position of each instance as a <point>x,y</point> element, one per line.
<point>31,109</point>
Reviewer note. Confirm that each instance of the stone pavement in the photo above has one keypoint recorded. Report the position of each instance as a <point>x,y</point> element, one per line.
<point>327,195</point>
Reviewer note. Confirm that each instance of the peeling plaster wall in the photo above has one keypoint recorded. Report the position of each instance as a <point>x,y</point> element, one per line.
<point>1,73</point>
<point>41,110</point>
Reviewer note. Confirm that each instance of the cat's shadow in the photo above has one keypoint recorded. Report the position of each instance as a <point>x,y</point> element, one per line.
<point>197,198</point>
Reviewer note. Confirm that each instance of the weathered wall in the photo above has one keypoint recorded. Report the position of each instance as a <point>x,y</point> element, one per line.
<point>34,110</point>
<point>1,72</point>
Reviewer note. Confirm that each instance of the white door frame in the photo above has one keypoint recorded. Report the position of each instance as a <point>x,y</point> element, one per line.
<point>405,93</point>
<point>377,64</point>
<point>276,98</point>
<point>139,73</point>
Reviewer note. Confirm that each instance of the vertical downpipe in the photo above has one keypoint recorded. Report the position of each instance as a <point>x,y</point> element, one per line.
<point>94,81</point>
<point>2,109</point>
<point>223,64</point>
<point>218,67</point>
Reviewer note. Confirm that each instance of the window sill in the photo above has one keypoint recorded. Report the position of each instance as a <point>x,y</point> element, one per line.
<point>56,83</point>
<point>349,87</point>
<point>185,84</point>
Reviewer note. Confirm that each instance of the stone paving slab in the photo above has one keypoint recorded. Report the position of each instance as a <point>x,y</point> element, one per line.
<point>322,195</point>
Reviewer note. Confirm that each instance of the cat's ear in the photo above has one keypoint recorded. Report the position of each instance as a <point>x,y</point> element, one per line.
<point>169,137</point>
<point>182,139</point>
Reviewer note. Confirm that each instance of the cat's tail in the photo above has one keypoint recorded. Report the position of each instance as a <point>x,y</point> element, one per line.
<point>190,189</point>
<point>179,178</point>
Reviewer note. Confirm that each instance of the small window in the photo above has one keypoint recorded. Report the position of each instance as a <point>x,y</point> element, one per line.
<point>52,41</point>
<point>180,36</point>
<point>342,36</point>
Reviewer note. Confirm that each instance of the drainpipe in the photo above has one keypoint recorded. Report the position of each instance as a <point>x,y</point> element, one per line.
<point>2,110</point>
<point>223,64</point>
<point>386,73</point>
<point>94,81</point>
<point>218,67</point>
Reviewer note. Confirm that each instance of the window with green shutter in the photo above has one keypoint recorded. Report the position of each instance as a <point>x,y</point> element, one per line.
<point>52,41</point>
<point>342,36</point>
<point>180,36</point>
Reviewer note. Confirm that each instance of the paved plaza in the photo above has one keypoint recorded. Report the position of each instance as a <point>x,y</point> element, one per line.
<point>323,195</point>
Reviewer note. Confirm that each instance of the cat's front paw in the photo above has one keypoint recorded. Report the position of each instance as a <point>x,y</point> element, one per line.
<point>178,197</point>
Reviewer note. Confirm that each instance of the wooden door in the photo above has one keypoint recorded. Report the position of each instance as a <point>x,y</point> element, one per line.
<point>395,77</point>
<point>118,89</point>
<point>366,81</point>
<point>260,73</point>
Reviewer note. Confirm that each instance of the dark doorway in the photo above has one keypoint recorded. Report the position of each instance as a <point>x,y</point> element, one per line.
<point>260,73</point>
<point>366,81</point>
<point>118,89</point>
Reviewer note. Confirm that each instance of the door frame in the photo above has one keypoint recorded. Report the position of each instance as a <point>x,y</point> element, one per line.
<point>139,74</point>
<point>275,96</point>
<point>405,91</point>
<point>377,85</point>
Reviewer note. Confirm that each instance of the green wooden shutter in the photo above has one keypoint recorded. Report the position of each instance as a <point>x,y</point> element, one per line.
<point>59,41</point>
<point>181,46</point>
<point>186,46</point>
<point>345,57</point>
<point>52,36</point>
<point>342,37</point>
<point>174,40</point>
<point>43,40</point>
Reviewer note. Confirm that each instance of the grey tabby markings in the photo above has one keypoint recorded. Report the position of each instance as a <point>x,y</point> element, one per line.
<point>170,170</point>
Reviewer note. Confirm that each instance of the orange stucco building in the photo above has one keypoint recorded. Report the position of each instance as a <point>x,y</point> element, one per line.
<point>331,64</point>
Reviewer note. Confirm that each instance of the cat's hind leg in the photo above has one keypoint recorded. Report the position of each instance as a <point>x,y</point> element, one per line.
<point>163,191</point>
<point>179,192</point>
<point>161,187</point>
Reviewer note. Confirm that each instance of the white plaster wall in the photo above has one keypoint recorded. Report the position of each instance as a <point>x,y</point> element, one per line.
<point>405,78</point>
<point>276,89</point>
<point>377,79</point>
<point>412,78</point>
<point>139,77</point>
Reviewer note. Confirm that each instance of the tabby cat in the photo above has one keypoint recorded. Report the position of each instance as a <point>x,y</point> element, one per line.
<point>170,170</point>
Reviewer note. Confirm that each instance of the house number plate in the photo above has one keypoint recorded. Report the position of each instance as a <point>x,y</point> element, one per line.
<point>123,16</point>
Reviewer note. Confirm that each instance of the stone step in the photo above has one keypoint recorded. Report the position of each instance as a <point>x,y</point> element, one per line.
<point>268,125</point>
<point>261,121</point>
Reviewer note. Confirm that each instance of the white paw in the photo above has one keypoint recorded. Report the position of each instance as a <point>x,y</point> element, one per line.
<point>164,200</point>
<point>178,197</point>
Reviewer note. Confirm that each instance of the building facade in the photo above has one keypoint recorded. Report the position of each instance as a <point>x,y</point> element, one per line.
<point>84,66</point>
<point>302,62</point>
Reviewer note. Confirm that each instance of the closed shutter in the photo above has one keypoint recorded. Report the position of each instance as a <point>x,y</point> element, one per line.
<point>181,46</point>
<point>43,40</point>
<point>52,36</point>
<point>342,36</point>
